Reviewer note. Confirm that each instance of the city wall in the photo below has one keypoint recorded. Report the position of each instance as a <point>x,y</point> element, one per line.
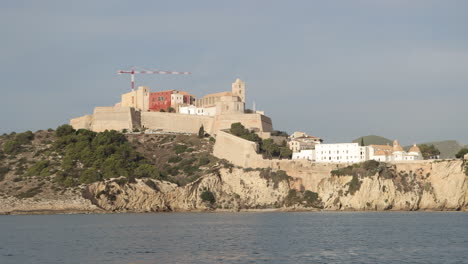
<point>124,117</point>
<point>176,122</point>
<point>114,118</point>
<point>251,121</point>
<point>82,122</point>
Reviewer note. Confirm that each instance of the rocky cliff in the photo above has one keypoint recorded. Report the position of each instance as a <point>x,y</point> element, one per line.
<point>438,185</point>
<point>233,189</point>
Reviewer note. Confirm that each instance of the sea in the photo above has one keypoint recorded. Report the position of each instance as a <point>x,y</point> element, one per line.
<point>251,237</point>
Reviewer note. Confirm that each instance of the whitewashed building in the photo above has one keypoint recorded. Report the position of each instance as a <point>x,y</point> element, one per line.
<point>308,154</point>
<point>386,153</point>
<point>193,110</point>
<point>341,153</point>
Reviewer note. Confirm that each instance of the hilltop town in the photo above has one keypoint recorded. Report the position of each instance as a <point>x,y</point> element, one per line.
<point>175,111</point>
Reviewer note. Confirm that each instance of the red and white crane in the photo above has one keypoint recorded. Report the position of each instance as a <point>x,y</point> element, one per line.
<point>132,73</point>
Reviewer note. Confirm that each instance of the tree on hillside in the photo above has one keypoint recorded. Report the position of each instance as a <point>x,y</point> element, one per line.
<point>429,151</point>
<point>201,132</point>
<point>362,142</point>
<point>285,152</point>
<point>270,148</point>
<point>461,153</point>
<point>238,129</point>
<point>64,130</point>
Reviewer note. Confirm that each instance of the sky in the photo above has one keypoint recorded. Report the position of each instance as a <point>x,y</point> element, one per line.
<point>334,69</point>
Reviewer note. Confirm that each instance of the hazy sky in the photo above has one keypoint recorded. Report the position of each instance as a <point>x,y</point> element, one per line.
<point>335,69</point>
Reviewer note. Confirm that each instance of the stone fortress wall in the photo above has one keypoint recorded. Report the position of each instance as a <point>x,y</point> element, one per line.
<point>133,113</point>
<point>122,117</point>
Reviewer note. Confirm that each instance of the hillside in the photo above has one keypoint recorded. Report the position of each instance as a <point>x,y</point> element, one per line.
<point>51,163</point>
<point>373,140</point>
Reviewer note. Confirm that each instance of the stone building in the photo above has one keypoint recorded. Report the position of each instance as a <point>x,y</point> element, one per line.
<point>232,102</point>
<point>137,99</point>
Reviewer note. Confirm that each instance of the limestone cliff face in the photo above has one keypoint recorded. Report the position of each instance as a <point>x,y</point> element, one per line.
<point>440,185</point>
<point>67,203</point>
<point>233,189</point>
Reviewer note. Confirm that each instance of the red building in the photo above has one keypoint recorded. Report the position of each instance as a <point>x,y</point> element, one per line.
<point>164,99</point>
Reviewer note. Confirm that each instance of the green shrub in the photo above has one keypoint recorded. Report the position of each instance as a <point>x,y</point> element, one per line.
<point>64,130</point>
<point>180,149</point>
<point>354,185</point>
<point>461,153</point>
<point>89,175</point>
<point>40,168</point>
<point>147,171</point>
<point>29,193</point>
<point>311,197</point>
<point>212,139</point>
<point>204,160</point>
<point>208,196</point>
<point>12,147</point>
<point>24,138</point>
<point>174,159</point>
<point>275,176</point>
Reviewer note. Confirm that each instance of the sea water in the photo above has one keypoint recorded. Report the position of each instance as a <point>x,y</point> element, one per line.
<point>316,237</point>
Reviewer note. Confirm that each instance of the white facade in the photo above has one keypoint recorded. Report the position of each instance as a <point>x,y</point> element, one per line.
<point>387,153</point>
<point>308,154</point>
<point>341,153</point>
<point>193,110</point>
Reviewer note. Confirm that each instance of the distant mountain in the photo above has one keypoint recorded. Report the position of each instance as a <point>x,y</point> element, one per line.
<point>447,148</point>
<point>373,140</point>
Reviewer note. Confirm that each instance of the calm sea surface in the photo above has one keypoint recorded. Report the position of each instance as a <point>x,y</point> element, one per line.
<point>389,237</point>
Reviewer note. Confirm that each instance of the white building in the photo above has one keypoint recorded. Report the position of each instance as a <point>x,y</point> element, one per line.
<point>308,154</point>
<point>386,153</point>
<point>341,153</point>
<point>193,110</point>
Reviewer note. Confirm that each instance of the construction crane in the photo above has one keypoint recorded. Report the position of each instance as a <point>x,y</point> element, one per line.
<point>132,73</point>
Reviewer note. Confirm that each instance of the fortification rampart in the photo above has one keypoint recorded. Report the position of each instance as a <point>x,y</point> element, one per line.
<point>176,122</point>
<point>124,117</point>
<point>251,121</point>
<point>114,118</point>
<point>82,122</point>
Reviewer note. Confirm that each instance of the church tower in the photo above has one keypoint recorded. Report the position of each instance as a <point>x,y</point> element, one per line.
<point>238,89</point>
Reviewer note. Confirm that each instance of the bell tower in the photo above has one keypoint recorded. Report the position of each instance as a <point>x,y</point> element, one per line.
<point>238,89</point>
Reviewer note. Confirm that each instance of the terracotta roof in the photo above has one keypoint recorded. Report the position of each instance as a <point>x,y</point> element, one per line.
<point>382,147</point>
<point>381,153</point>
<point>415,148</point>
